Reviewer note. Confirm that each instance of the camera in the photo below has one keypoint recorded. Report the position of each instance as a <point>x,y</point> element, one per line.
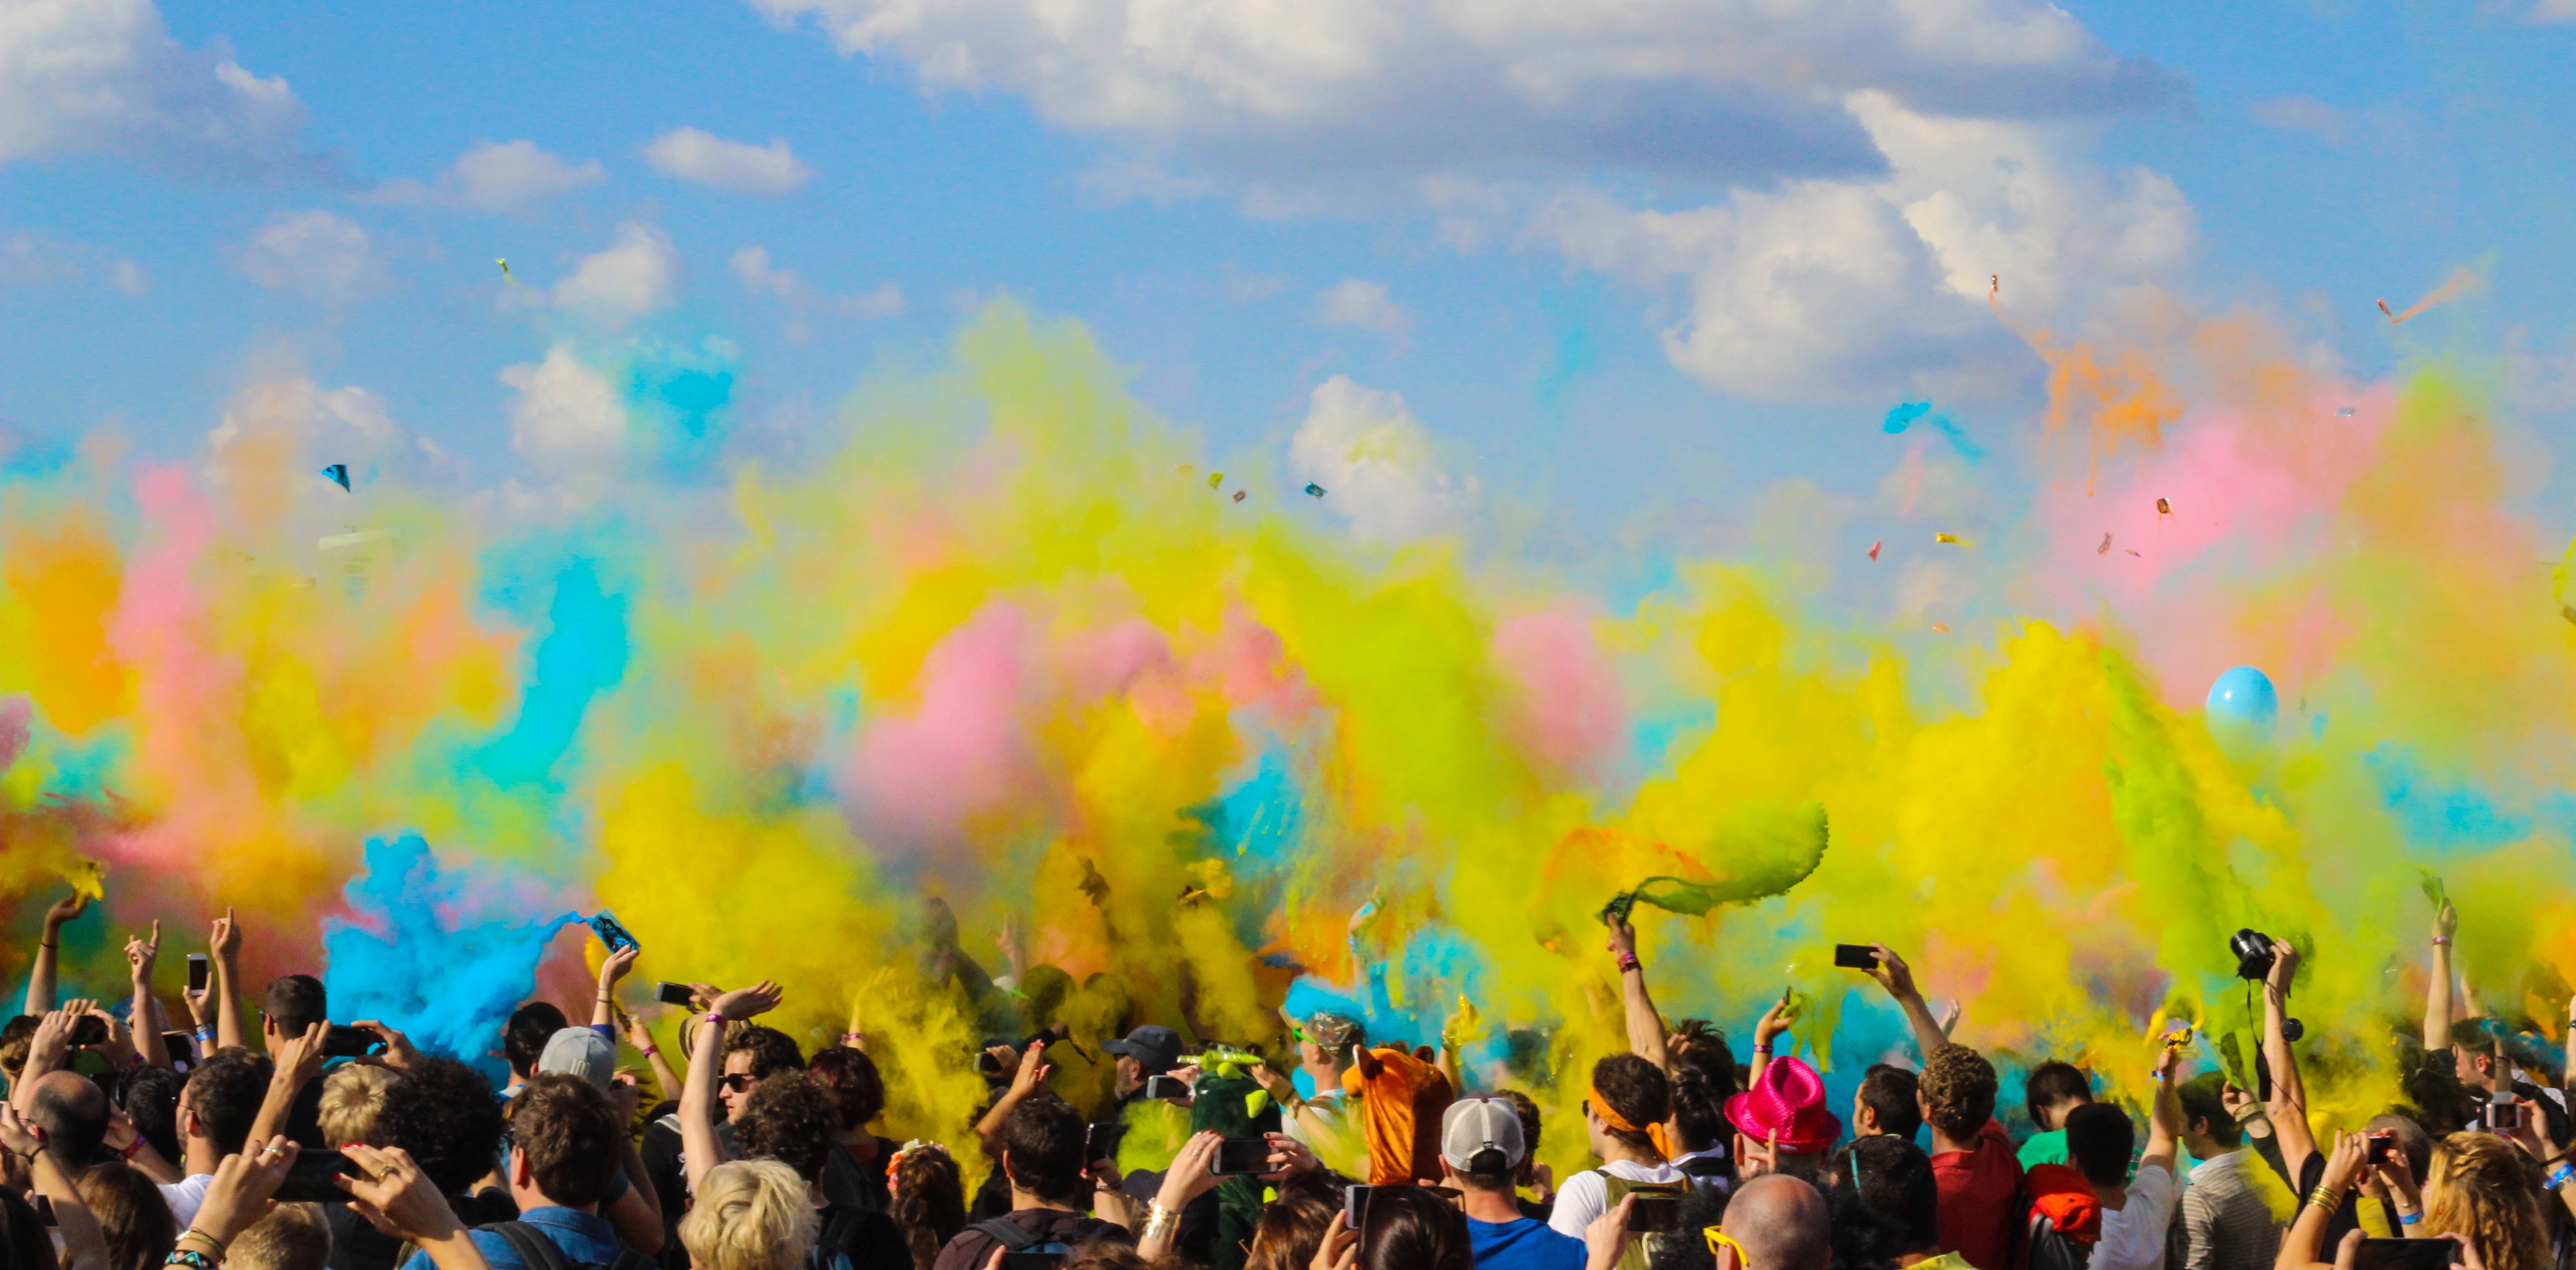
<point>2254,959</point>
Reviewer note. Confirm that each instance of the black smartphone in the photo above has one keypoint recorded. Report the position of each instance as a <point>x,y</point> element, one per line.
<point>196,972</point>
<point>2379,1148</point>
<point>1159,1088</point>
<point>2503,1115</point>
<point>89,1029</point>
<point>182,1049</point>
<point>669,993</point>
<point>1856,956</point>
<point>45,1211</point>
<point>1240,1157</point>
<point>343,1041</point>
<point>308,1180</point>
<point>1653,1214</point>
<point>1100,1141</point>
<point>2406,1254</point>
<point>989,1063</point>
<point>1037,1260</point>
<point>1355,1202</point>
<point>612,934</point>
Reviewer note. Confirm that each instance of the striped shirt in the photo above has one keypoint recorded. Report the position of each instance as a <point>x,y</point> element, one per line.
<point>2227,1214</point>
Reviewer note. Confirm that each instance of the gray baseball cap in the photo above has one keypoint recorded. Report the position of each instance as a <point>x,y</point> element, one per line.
<point>579,1051</point>
<point>1482,1136</point>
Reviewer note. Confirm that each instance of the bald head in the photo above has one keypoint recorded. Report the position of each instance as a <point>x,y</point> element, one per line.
<point>1781,1223</point>
<point>71,1111</point>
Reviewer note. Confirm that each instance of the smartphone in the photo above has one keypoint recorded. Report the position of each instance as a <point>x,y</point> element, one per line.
<point>1050,1260</point>
<point>308,1180</point>
<point>612,934</point>
<point>1241,1156</point>
<point>45,1211</point>
<point>182,1049</point>
<point>1162,1088</point>
<point>343,1041</point>
<point>1100,1141</point>
<point>89,1029</point>
<point>2503,1115</point>
<point>1856,956</point>
<point>669,993</point>
<point>988,1063</point>
<point>1355,1204</point>
<point>2406,1254</point>
<point>2379,1148</point>
<point>196,972</point>
<point>1653,1214</point>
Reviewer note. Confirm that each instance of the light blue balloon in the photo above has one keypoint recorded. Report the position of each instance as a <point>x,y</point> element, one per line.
<point>2242,711</point>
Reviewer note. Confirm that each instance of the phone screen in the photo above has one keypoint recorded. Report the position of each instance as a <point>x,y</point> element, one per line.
<point>1653,1214</point>
<point>89,1029</point>
<point>1158,1088</point>
<point>1355,1202</point>
<point>2503,1117</point>
<point>1100,1141</point>
<point>182,1047</point>
<point>343,1041</point>
<point>612,934</point>
<point>2406,1254</point>
<point>669,993</point>
<point>196,972</point>
<point>1238,1156</point>
<point>1855,956</point>
<point>308,1180</point>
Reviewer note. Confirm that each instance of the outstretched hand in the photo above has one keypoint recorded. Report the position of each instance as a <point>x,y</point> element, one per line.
<point>746,1003</point>
<point>399,1054</point>
<point>396,1197</point>
<point>65,909</point>
<point>224,938</point>
<point>141,954</point>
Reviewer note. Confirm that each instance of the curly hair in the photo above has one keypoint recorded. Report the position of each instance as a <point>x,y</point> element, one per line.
<point>750,1215</point>
<point>1637,1090</point>
<point>444,1113</point>
<point>854,1081</point>
<point>1958,1087</point>
<point>790,1118</point>
<point>771,1050</point>
<point>2483,1188</point>
<point>929,1203</point>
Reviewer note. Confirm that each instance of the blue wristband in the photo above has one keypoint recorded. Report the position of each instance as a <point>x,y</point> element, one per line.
<point>2562,1175</point>
<point>2409,1219</point>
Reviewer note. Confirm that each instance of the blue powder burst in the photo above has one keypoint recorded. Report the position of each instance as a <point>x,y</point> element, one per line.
<point>1905,414</point>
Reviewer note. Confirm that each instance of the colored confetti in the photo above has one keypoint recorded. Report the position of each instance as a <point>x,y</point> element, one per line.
<point>505,270</point>
<point>2132,551</point>
<point>338,472</point>
<point>1904,415</point>
<point>1940,628</point>
<point>1314,489</point>
<point>2105,548</point>
<point>1873,548</point>
<point>2461,280</point>
<point>1238,495</point>
<point>1953,539</point>
<point>2164,507</point>
<point>1215,479</point>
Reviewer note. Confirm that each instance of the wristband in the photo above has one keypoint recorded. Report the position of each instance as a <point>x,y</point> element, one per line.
<point>2441,939</point>
<point>2562,1175</point>
<point>650,1050</point>
<point>190,1258</point>
<point>134,1148</point>
<point>1763,1050</point>
<point>715,1018</point>
<point>2409,1219</point>
<point>1628,961</point>
<point>211,1242</point>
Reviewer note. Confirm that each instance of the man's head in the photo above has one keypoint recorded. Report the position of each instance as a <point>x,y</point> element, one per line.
<point>1148,1051</point>
<point>1957,1092</point>
<point>1481,1148</point>
<point>790,1118</point>
<point>1887,1102</point>
<point>2208,1128</point>
<point>2477,1057</point>
<point>291,1237</point>
<point>221,1100</point>
<point>1329,1039</point>
<point>752,1054</point>
<point>352,1095</point>
<point>857,1090</point>
<point>2099,1138</point>
<point>580,1052</point>
<point>1780,1223</point>
<point>151,1099</point>
<point>524,1037</point>
<point>294,1003</point>
<point>2052,1090</point>
<point>564,1141</point>
<point>444,1114</point>
<point>69,1111</point>
<point>1630,1089</point>
<point>1042,1147</point>
<point>1892,1178</point>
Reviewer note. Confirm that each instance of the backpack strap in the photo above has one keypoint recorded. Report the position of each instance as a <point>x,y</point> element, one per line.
<point>535,1250</point>
<point>1013,1236</point>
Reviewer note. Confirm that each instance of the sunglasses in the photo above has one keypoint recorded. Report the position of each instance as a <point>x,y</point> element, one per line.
<point>739,1082</point>
<point>1719,1240</point>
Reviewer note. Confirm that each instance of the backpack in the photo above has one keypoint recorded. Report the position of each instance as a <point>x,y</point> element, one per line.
<point>538,1252</point>
<point>1015,1237</point>
<point>852,1238</point>
<point>2061,1219</point>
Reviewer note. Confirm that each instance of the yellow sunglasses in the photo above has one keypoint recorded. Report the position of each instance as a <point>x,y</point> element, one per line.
<point>1718,1239</point>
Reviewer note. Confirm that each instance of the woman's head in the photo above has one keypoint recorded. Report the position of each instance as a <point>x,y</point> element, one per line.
<point>2482,1187</point>
<point>1290,1232</point>
<point>749,1215</point>
<point>1413,1228</point>
<point>929,1200</point>
<point>131,1213</point>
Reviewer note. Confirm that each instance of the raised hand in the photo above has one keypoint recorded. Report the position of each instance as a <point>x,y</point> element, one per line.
<point>239,1195</point>
<point>1892,973</point>
<point>398,1054</point>
<point>1605,1238</point>
<point>1341,1247</point>
<point>1033,1071</point>
<point>63,910</point>
<point>141,954</point>
<point>396,1197</point>
<point>299,1058</point>
<point>1288,1158</point>
<point>1623,940</point>
<point>1193,1171</point>
<point>2285,965</point>
<point>617,965</point>
<point>745,1003</point>
<point>224,938</point>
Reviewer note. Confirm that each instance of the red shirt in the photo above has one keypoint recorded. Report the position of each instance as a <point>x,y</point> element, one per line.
<point>1978,1189</point>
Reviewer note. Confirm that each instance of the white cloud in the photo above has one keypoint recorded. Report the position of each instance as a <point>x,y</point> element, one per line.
<point>1838,288</point>
<point>566,414</point>
<point>1354,302</point>
<point>128,277</point>
<point>752,268</point>
<point>30,260</point>
<point>315,254</point>
<point>1375,462</point>
<point>2554,11</point>
<point>703,158</point>
<point>501,176</point>
<point>636,276</point>
<point>104,76</point>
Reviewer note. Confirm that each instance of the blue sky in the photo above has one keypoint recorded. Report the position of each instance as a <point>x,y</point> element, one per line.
<point>1653,267</point>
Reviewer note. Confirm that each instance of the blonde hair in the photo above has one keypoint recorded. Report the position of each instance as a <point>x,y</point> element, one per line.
<point>351,1096</point>
<point>751,1215</point>
<point>2482,1189</point>
<point>291,1237</point>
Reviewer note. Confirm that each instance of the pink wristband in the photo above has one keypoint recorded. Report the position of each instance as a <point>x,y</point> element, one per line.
<point>716,1017</point>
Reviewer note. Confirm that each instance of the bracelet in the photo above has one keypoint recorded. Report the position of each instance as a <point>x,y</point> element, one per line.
<point>1763,1050</point>
<point>46,946</point>
<point>1628,961</point>
<point>2326,1197</point>
<point>211,1241</point>
<point>716,1018</point>
<point>650,1050</point>
<point>134,1148</point>
<point>2409,1219</point>
<point>29,1155</point>
<point>190,1258</point>
<point>2562,1175</point>
<point>1158,1219</point>
<point>2441,939</point>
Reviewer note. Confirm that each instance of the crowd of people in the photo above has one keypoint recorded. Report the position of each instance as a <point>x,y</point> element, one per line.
<point>308,1145</point>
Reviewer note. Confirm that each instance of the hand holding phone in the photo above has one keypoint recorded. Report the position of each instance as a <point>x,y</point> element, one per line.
<point>196,972</point>
<point>343,1041</point>
<point>2406,1254</point>
<point>308,1179</point>
<point>669,993</point>
<point>610,933</point>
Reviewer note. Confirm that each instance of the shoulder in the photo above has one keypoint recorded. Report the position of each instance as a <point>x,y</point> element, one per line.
<point>965,1250</point>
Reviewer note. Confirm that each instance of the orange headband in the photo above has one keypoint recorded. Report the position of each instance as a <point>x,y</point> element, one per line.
<point>1610,1116</point>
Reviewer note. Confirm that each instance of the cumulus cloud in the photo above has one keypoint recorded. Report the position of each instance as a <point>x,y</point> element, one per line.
<point>753,268</point>
<point>565,414</point>
<point>703,158</point>
<point>104,76</point>
<point>1354,302</point>
<point>634,277</point>
<point>315,254</point>
<point>1838,288</point>
<point>1376,462</point>
<point>504,176</point>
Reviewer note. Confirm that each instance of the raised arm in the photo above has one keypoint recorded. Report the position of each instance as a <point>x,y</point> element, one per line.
<point>298,1060</point>
<point>603,1007</point>
<point>2164,1114</point>
<point>2306,1240</point>
<point>666,1083</point>
<point>1030,1077</point>
<point>40,980</point>
<point>2288,1107</point>
<point>636,1214</point>
<point>140,954</point>
<point>224,943</point>
<point>1645,1025</point>
<point>2437,993</point>
<point>84,1247</point>
<point>1898,978</point>
<point>1766,1031</point>
<point>398,1199</point>
<point>698,1094</point>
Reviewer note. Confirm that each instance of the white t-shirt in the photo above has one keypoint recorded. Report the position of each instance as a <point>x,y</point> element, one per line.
<point>2133,1235</point>
<point>1585,1196</point>
<point>186,1196</point>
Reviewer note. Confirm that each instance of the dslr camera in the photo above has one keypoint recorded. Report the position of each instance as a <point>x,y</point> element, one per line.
<point>2254,959</point>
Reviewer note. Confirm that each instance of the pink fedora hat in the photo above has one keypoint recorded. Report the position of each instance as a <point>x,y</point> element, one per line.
<point>1787,1099</point>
